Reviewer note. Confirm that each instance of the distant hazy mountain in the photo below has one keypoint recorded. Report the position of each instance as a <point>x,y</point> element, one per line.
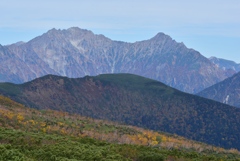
<point>76,52</point>
<point>225,64</point>
<point>136,101</point>
<point>227,91</point>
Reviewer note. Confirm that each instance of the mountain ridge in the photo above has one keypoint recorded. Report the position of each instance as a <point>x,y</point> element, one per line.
<point>227,91</point>
<point>225,64</point>
<point>76,52</point>
<point>133,100</point>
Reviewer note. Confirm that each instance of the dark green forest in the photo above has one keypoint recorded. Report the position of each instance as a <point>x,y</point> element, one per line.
<point>133,100</point>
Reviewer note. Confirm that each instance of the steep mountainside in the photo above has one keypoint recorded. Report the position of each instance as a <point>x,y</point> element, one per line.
<point>225,64</point>
<point>227,91</point>
<point>28,135</point>
<point>136,101</point>
<point>76,53</point>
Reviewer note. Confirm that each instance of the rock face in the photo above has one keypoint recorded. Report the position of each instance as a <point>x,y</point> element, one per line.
<point>76,52</point>
<point>226,64</point>
<point>227,91</point>
<point>133,100</point>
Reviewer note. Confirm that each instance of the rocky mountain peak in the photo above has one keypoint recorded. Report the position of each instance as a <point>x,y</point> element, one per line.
<point>167,42</point>
<point>161,36</point>
<point>19,43</point>
<point>77,32</point>
<point>71,33</point>
<point>53,31</point>
<point>225,64</point>
<point>76,52</point>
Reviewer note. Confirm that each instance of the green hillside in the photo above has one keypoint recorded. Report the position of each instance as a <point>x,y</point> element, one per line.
<point>134,100</point>
<point>28,135</point>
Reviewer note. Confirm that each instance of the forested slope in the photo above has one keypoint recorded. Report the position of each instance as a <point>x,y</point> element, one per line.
<point>28,135</point>
<point>133,100</point>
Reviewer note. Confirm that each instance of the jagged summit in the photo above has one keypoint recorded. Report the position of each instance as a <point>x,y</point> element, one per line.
<point>164,39</point>
<point>161,35</point>
<point>76,52</point>
<point>77,29</point>
<point>53,32</point>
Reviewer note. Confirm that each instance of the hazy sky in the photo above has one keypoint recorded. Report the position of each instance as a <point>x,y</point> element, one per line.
<point>211,27</point>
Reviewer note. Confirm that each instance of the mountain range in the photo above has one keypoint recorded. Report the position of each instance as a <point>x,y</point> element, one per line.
<point>77,52</point>
<point>226,64</point>
<point>227,91</point>
<point>133,100</point>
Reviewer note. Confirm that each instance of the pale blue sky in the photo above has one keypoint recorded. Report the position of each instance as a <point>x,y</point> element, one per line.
<point>211,27</point>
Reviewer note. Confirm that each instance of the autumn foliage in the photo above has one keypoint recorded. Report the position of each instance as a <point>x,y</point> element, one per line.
<point>56,123</point>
